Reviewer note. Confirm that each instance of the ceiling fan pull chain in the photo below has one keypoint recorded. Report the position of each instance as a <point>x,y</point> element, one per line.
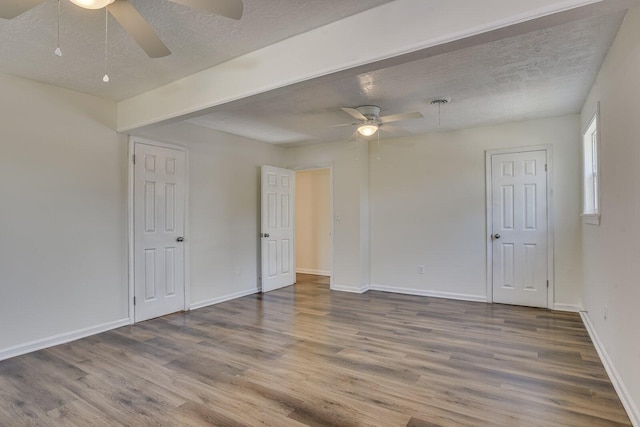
<point>106,35</point>
<point>58,51</point>
<point>440,102</point>
<point>378,146</point>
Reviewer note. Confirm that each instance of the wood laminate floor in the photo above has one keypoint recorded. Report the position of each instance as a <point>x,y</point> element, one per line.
<point>306,356</point>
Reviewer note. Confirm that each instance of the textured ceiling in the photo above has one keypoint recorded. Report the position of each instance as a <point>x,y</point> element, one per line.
<point>197,39</point>
<point>539,74</point>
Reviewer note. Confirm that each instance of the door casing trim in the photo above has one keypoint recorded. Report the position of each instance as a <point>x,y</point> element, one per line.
<point>548,149</point>
<point>130,226</point>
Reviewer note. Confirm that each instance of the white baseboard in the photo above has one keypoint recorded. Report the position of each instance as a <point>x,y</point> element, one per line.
<point>82,333</point>
<point>614,376</point>
<point>427,293</point>
<point>351,289</point>
<point>223,298</point>
<point>314,272</point>
<point>568,307</point>
<point>29,347</point>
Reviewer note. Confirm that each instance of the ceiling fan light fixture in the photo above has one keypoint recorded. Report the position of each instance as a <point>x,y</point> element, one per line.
<point>92,4</point>
<point>368,129</point>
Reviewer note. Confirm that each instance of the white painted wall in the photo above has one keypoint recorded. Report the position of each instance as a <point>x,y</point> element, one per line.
<point>63,210</point>
<point>428,207</point>
<point>350,192</point>
<point>612,249</point>
<point>313,221</point>
<point>224,208</point>
<point>63,214</point>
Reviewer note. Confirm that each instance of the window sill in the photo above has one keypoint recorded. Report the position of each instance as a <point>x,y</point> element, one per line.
<point>591,219</point>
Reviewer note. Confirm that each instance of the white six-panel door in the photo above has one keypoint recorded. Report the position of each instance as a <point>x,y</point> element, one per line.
<point>159,214</point>
<point>519,228</point>
<point>277,236</point>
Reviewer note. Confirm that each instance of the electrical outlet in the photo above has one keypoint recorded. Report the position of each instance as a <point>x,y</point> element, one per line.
<point>606,312</point>
<point>421,269</point>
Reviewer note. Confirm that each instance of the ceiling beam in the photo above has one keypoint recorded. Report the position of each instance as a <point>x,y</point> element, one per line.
<point>397,29</point>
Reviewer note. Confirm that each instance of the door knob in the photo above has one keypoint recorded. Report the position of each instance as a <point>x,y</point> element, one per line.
<point>496,236</point>
<point>180,239</point>
<point>264,235</point>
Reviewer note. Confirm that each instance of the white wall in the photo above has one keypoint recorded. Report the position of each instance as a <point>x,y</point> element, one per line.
<point>63,210</point>
<point>63,214</point>
<point>350,194</point>
<point>428,207</point>
<point>612,249</point>
<point>224,208</point>
<point>313,221</point>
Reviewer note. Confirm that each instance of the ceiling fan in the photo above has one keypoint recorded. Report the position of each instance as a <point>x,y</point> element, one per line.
<point>370,121</point>
<point>130,19</point>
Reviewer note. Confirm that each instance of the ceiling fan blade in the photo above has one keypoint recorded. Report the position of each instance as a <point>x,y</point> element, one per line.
<point>137,27</point>
<point>355,113</point>
<point>343,125</point>
<point>399,117</point>
<point>230,8</point>
<point>9,9</point>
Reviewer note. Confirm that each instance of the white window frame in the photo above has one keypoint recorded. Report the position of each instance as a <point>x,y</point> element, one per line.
<point>591,189</point>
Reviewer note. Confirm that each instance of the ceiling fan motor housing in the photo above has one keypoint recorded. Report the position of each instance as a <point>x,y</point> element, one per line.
<point>371,112</point>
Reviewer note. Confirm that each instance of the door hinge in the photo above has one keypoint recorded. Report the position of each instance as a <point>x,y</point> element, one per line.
<point>545,167</point>
<point>547,284</point>
<point>134,298</point>
<point>134,159</point>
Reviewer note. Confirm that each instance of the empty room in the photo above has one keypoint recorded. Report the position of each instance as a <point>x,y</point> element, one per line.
<point>338,212</point>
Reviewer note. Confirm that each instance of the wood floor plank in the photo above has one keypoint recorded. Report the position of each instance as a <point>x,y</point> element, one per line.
<point>304,355</point>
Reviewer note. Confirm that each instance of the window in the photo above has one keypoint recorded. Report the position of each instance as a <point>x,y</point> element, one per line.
<point>591,198</point>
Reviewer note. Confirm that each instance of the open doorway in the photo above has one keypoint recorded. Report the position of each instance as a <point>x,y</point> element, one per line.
<point>314,226</point>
